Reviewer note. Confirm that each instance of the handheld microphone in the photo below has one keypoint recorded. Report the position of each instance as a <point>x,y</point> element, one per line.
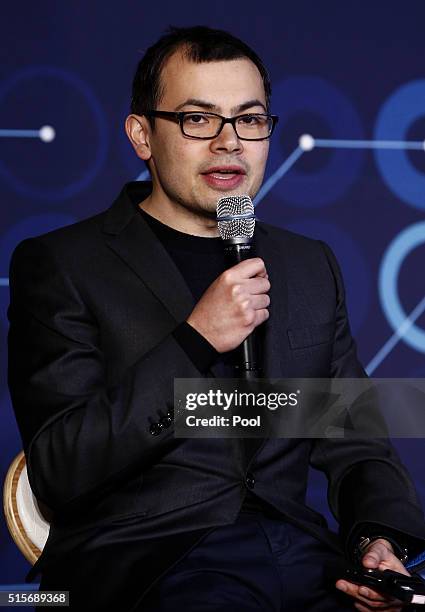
<point>236,224</point>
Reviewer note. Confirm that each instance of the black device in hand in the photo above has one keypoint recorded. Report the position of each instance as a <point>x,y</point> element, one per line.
<point>408,589</point>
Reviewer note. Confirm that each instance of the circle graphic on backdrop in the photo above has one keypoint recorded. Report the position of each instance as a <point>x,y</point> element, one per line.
<point>405,242</point>
<point>399,112</point>
<point>314,96</point>
<point>86,114</point>
<point>354,266</point>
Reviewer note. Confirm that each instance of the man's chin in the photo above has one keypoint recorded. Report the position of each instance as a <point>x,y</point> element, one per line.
<point>214,195</point>
<point>207,198</point>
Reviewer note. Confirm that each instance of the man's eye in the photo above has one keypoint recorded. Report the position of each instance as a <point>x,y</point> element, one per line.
<point>249,119</point>
<point>196,119</point>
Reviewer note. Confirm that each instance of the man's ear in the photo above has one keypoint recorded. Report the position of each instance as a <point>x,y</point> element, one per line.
<point>137,130</point>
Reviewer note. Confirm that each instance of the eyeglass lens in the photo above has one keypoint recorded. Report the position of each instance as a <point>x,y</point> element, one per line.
<point>206,125</point>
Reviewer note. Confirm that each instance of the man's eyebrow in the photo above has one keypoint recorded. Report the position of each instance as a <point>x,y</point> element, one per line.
<point>246,105</point>
<point>214,108</point>
<point>196,102</point>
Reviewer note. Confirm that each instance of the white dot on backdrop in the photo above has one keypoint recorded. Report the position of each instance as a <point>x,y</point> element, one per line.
<point>47,133</point>
<point>306,142</point>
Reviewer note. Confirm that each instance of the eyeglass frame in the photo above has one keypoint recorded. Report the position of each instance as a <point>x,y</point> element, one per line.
<point>179,117</point>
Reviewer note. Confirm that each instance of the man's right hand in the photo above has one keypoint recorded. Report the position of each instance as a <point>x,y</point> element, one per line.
<point>233,305</point>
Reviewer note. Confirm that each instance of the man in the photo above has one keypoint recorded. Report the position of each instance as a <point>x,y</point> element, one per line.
<point>106,313</point>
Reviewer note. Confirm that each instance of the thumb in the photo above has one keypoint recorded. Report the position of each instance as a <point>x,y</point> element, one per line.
<point>371,559</point>
<point>378,551</point>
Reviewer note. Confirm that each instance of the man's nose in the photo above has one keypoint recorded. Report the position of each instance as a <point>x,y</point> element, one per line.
<point>227,140</point>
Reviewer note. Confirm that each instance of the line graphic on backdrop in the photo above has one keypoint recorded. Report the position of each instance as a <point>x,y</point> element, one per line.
<point>46,133</point>
<point>306,144</point>
<point>396,337</point>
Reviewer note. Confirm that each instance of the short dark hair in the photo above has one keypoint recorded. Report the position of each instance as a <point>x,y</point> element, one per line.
<point>199,44</point>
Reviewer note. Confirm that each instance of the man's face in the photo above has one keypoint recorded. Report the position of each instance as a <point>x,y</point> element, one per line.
<point>183,168</point>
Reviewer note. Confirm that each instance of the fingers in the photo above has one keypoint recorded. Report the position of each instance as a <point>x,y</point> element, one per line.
<point>378,551</point>
<point>251,318</point>
<point>379,555</point>
<point>248,268</point>
<point>253,310</point>
<point>251,295</point>
<point>261,316</point>
<point>258,302</point>
<point>252,286</point>
<point>257,285</point>
<point>363,608</point>
<point>370,599</point>
<point>247,277</point>
<point>355,590</point>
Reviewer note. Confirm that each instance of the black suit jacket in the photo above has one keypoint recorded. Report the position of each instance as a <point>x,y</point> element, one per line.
<point>92,362</point>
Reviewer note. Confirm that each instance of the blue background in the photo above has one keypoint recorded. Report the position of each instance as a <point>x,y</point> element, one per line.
<point>340,70</point>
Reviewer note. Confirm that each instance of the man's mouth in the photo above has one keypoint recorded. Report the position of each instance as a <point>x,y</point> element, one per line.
<point>224,173</point>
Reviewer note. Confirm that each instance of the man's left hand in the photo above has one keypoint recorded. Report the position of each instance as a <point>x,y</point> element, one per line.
<point>378,555</point>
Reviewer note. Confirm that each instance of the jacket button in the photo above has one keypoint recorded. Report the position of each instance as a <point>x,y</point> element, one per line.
<point>250,480</point>
<point>165,421</point>
<point>155,429</point>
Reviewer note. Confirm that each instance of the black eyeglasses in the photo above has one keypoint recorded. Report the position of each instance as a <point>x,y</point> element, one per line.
<point>205,126</point>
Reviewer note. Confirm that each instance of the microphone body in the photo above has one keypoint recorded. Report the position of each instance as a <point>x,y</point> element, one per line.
<point>237,228</point>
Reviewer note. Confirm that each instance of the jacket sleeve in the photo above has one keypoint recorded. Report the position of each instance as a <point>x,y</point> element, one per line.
<point>367,482</point>
<point>80,435</point>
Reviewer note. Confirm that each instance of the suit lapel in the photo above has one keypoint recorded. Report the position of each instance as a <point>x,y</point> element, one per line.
<point>273,331</point>
<point>130,237</point>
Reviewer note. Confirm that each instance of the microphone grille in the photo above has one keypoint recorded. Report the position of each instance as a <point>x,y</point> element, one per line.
<point>235,217</point>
